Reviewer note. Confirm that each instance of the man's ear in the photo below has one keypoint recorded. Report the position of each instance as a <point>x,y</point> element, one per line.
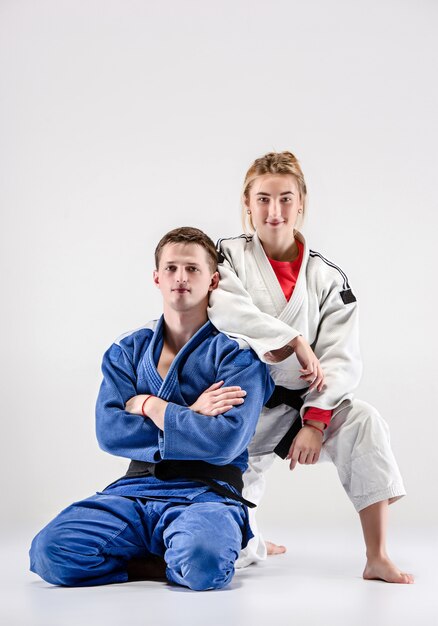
<point>214,281</point>
<point>156,279</point>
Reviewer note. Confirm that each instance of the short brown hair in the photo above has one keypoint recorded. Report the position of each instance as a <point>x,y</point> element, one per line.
<point>187,234</point>
<point>273,163</point>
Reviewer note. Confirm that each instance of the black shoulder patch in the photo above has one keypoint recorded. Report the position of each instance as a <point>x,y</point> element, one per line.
<point>347,296</point>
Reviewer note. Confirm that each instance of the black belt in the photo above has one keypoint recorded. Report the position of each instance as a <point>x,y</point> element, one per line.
<point>294,399</point>
<point>200,471</point>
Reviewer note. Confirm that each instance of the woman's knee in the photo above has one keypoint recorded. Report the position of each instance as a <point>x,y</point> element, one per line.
<point>370,420</point>
<point>361,416</point>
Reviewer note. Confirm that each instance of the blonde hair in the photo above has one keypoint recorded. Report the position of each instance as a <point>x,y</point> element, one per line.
<point>272,163</point>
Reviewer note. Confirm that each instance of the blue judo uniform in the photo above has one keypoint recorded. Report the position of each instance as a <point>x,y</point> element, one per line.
<point>198,531</point>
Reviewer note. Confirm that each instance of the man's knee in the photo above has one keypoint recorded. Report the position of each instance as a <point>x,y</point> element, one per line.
<point>203,546</point>
<point>199,563</point>
<point>61,556</point>
<point>48,559</point>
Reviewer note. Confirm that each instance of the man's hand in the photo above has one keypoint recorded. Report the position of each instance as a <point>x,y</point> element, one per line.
<point>306,447</point>
<point>217,399</point>
<point>311,370</point>
<point>155,408</point>
<point>135,403</point>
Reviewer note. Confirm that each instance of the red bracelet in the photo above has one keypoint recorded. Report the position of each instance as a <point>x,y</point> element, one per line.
<point>315,427</point>
<point>142,406</point>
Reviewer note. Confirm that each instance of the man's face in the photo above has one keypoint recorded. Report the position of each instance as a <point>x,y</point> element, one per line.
<point>184,277</point>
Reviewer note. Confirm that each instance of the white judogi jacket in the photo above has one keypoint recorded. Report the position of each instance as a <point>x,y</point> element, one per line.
<point>249,303</point>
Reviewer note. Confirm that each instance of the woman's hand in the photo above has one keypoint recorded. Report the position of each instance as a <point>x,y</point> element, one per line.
<point>217,399</point>
<point>306,447</point>
<point>311,370</point>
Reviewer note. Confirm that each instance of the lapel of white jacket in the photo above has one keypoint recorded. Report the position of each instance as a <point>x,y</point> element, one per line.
<point>285,311</point>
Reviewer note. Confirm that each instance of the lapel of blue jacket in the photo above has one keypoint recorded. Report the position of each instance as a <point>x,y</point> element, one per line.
<point>169,388</point>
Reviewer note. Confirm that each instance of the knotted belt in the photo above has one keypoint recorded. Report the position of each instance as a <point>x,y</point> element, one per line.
<point>200,471</point>
<point>294,399</point>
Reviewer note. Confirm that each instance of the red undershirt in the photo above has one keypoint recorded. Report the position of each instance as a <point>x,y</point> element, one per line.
<point>287,275</point>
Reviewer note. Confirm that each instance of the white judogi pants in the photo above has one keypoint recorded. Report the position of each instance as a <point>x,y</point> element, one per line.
<point>356,441</point>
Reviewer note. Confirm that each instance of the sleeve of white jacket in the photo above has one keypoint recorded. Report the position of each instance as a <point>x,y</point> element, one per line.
<point>233,312</point>
<point>337,348</point>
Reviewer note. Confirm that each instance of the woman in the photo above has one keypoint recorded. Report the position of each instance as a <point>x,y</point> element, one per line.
<point>272,289</point>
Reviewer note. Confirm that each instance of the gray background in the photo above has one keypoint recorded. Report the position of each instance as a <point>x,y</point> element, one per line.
<point>123,119</point>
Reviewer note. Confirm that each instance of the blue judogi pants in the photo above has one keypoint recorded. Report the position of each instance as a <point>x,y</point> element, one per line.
<point>91,541</point>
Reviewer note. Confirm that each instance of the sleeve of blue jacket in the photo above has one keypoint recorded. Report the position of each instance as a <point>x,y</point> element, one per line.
<point>119,432</point>
<point>219,440</point>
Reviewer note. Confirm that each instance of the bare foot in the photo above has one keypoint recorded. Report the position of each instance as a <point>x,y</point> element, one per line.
<point>382,568</point>
<point>273,549</point>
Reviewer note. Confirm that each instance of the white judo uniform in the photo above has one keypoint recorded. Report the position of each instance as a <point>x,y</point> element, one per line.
<point>250,304</point>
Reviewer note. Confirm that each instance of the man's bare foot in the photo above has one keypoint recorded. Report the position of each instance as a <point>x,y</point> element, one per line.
<point>382,568</point>
<point>272,548</point>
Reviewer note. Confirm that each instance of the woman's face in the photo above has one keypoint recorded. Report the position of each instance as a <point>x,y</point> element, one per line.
<point>274,201</point>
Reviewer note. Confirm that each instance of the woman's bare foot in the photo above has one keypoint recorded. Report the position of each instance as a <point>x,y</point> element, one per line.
<point>382,568</point>
<point>273,549</point>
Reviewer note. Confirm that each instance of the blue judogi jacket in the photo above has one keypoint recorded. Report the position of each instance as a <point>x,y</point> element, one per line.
<point>130,368</point>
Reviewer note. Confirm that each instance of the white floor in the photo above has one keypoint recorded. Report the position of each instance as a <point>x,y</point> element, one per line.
<point>317,582</point>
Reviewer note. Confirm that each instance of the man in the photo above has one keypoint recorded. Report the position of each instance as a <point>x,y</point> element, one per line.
<point>180,497</point>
